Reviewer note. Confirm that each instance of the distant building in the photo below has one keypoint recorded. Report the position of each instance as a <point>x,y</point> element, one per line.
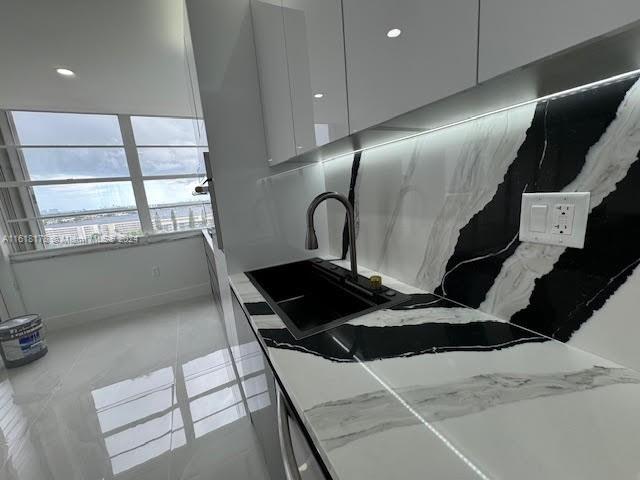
<point>99,232</point>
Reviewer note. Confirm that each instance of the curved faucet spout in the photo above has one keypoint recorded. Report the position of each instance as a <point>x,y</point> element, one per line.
<point>311,242</point>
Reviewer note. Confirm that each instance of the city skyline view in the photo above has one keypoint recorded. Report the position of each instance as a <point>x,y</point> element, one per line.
<point>79,197</point>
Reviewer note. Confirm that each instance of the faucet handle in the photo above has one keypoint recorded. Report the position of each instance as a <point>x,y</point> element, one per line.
<point>311,241</point>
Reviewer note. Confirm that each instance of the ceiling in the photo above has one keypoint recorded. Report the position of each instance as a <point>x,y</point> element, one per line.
<point>128,56</point>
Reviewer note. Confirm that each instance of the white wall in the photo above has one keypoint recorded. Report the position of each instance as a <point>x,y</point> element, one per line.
<point>70,289</point>
<point>128,56</point>
<point>225,58</point>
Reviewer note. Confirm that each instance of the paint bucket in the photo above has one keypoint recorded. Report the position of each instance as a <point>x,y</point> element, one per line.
<point>22,340</point>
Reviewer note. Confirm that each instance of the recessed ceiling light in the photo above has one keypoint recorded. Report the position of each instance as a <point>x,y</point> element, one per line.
<point>65,72</point>
<point>394,32</point>
<point>318,95</point>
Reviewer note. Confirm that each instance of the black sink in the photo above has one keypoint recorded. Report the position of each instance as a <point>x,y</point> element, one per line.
<point>314,295</point>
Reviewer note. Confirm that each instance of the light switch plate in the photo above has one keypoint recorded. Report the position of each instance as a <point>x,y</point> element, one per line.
<point>563,221</point>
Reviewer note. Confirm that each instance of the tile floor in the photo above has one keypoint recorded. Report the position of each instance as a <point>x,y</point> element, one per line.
<point>146,395</point>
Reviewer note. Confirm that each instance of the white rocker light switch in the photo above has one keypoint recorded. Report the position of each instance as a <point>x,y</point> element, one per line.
<point>538,218</point>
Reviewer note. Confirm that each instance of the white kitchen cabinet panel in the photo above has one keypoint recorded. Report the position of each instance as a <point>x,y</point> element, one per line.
<point>434,57</point>
<point>268,26</point>
<point>514,33</point>
<point>295,35</point>
<point>315,52</point>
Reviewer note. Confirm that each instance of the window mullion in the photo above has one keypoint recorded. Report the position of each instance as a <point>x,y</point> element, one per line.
<point>135,171</point>
<point>63,181</point>
<point>25,196</point>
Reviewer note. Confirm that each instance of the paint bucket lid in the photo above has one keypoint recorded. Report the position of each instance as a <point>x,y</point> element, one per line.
<point>16,325</point>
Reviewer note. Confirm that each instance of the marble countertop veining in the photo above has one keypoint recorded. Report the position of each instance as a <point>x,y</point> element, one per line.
<point>432,389</point>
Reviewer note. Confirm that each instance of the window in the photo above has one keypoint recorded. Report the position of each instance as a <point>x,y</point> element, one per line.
<point>59,129</point>
<point>74,179</point>
<point>170,152</point>
<point>162,131</point>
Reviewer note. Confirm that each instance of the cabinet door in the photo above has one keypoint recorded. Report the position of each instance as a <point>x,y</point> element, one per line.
<point>303,458</point>
<point>258,387</point>
<point>315,57</point>
<point>278,431</point>
<point>514,33</point>
<point>268,27</point>
<point>434,56</point>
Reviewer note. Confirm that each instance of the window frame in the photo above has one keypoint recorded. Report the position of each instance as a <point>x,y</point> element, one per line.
<point>35,219</point>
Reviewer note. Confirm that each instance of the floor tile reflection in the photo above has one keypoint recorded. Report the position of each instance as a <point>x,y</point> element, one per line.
<point>161,422</point>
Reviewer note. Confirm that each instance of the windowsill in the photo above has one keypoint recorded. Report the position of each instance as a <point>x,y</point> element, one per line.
<point>100,247</point>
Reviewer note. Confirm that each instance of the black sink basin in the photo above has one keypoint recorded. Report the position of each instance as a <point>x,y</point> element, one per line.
<point>314,295</point>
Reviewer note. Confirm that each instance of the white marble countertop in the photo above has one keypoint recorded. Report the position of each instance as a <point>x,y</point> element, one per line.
<point>437,390</point>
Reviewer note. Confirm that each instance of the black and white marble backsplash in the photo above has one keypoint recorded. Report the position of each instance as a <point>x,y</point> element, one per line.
<point>441,212</point>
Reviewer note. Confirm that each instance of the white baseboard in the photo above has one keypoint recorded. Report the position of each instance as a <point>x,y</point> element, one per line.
<point>72,319</point>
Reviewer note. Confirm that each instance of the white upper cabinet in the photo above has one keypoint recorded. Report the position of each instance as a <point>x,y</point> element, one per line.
<point>434,56</point>
<point>514,33</point>
<point>300,54</point>
<point>315,53</point>
<point>268,28</point>
<point>329,68</point>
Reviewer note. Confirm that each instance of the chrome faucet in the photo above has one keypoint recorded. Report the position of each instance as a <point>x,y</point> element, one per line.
<point>311,242</point>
